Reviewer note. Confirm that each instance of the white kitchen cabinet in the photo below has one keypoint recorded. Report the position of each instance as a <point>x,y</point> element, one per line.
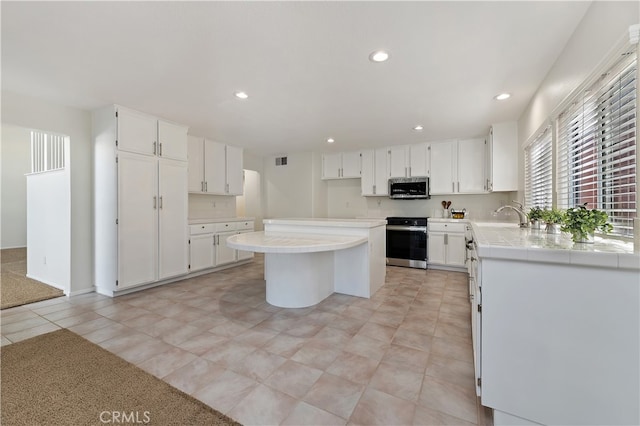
<point>214,168</point>
<point>447,245</point>
<point>409,161</point>
<point>375,172</point>
<point>201,252</point>
<point>342,165</point>
<point>140,210</point>
<point>224,253</point>
<point>172,141</point>
<point>244,227</point>
<point>502,157</point>
<point>458,167</point>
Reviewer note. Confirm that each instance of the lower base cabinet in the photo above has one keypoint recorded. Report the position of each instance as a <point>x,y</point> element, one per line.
<point>447,245</point>
<point>208,244</point>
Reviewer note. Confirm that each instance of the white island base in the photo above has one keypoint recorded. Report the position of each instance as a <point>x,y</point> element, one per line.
<point>308,260</point>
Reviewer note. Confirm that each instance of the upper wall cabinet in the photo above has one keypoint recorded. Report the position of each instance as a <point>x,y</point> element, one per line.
<point>502,158</point>
<point>342,165</point>
<point>408,161</point>
<point>458,167</point>
<point>144,134</point>
<point>375,172</point>
<point>214,168</point>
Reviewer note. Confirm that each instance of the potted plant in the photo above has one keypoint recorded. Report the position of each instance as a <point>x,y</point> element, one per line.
<point>553,218</point>
<point>582,222</point>
<point>535,216</point>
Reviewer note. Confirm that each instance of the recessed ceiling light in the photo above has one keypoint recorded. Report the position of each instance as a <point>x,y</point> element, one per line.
<point>330,140</point>
<point>379,56</point>
<point>502,96</point>
<point>241,95</point>
<point>418,128</point>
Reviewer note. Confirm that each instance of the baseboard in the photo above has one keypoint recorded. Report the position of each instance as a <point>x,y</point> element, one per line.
<point>83,291</point>
<point>45,282</point>
<point>17,247</point>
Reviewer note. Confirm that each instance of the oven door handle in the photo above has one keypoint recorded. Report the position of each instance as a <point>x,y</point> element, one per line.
<point>407,228</point>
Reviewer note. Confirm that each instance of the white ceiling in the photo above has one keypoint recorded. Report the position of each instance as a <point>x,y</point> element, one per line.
<point>304,65</point>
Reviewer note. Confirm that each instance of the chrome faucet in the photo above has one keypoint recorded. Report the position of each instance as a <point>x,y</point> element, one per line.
<point>524,220</point>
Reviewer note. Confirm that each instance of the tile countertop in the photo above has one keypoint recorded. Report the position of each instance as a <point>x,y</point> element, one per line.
<point>288,242</point>
<point>340,223</point>
<point>508,241</point>
<point>219,220</point>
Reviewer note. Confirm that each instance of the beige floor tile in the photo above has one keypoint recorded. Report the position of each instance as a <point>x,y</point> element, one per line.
<point>377,331</point>
<point>141,321</point>
<point>334,394</point>
<point>25,324</point>
<point>452,348</point>
<point>284,345</point>
<point>428,416</point>
<point>255,338</point>
<point>32,332</point>
<point>194,375</point>
<point>367,347</point>
<point>228,353</point>
<point>457,372</point>
<point>167,362</point>
<point>379,408</point>
<point>143,350</point>
<point>305,330</point>
<point>412,339</point>
<point>358,313</point>
<point>92,325</point>
<point>405,357</point>
<point>317,354</point>
<point>225,391</point>
<point>398,381</point>
<point>263,406</point>
<point>16,316</point>
<point>54,305</point>
<point>293,378</point>
<point>333,336</point>
<point>78,319</point>
<point>72,310</point>
<point>307,415</point>
<point>449,398</point>
<point>348,324</point>
<point>202,343</point>
<point>354,368</point>
<point>453,332</point>
<point>229,329</point>
<point>4,341</point>
<point>180,334</point>
<point>419,325</point>
<point>105,333</point>
<point>392,320</point>
<point>258,365</point>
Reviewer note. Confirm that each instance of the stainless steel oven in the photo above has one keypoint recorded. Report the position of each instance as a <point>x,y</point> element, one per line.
<point>407,241</point>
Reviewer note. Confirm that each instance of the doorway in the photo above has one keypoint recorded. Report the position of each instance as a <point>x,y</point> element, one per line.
<point>250,203</point>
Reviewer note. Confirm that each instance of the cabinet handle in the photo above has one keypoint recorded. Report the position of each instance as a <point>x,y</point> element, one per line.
<point>227,188</point>
<point>453,187</point>
<point>154,148</point>
<point>160,150</point>
<point>206,187</point>
<point>458,186</point>
<point>161,201</point>
<point>154,201</point>
<point>446,239</point>
<point>202,186</point>
<point>374,189</point>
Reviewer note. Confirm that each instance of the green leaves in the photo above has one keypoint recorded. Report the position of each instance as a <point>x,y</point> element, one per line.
<point>535,213</point>
<point>582,222</point>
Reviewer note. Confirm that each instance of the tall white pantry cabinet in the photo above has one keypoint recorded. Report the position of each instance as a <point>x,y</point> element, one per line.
<point>141,204</point>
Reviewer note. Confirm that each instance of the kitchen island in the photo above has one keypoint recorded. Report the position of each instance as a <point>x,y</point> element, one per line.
<point>306,260</point>
<point>558,327</point>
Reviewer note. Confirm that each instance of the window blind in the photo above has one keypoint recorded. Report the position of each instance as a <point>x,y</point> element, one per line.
<point>597,147</point>
<point>538,172</point>
<point>47,152</point>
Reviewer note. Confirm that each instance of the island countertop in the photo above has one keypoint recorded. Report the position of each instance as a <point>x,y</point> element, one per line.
<point>508,241</point>
<point>292,243</point>
<point>328,222</point>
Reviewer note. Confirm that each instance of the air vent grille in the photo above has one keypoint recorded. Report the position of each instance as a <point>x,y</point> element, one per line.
<point>281,161</point>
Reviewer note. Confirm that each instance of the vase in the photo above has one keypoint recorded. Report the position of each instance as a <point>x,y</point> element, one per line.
<point>535,224</point>
<point>553,228</point>
<point>584,238</point>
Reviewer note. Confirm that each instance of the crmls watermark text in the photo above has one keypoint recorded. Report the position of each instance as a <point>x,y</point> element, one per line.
<point>125,417</point>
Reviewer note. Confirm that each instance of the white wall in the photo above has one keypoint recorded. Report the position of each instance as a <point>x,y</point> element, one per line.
<point>202,206</point>
<point>249,204</point>
<point>32,113</point>
<point>288,190</point>
<point>15,157</point>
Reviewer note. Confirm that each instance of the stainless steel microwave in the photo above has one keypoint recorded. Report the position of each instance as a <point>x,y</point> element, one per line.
<point>412,188</point>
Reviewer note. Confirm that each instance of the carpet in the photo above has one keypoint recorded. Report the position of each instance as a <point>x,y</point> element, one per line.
<point>60,378</point>
<point>15,288</point>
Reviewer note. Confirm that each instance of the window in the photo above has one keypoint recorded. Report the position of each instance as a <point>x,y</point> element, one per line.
<point>538,172</point>
<point>47,152</point>
<point>597,147</point>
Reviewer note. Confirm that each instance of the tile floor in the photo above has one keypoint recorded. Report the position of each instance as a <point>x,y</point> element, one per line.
<point>402,357</point>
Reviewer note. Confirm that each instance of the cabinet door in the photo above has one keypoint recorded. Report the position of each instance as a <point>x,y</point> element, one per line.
<point>398,162</point>
<point>419,160</point>
<point>172,141</point>
<point>173,209</point>
<point>196,164</point>
<point>243,255</point>
<point>137,219</point>
<point>201,252</point>
<point>443,165</point>
<point>368,172</point>
<point>455,250</point>
<point>505,156</point>
<point>471,166</point>
<point>436,253</point>
<point>137,132</point>
<point>224,253</point>
<point>382,171</point>
<point>331,164</point>
<point>234,173</point>
<point>351,164</point>
<point>214,167</point>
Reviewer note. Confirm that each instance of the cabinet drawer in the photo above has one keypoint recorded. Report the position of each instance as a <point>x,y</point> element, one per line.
<point>226,226</point>
<point>244,225</point>
<point>447,227</point>
<point>207,228</point>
